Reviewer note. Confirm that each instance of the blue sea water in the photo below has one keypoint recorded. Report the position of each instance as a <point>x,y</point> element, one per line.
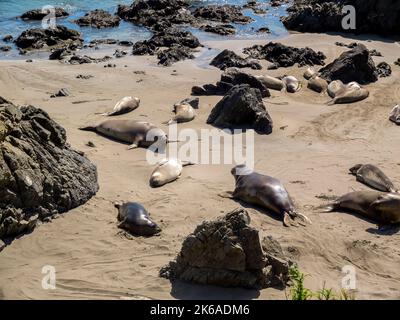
<point>10,10</point>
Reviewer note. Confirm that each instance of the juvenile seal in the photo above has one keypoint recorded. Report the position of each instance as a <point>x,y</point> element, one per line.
<point>134,218</point>
<point>292,84</point>
<point>395,115</point>
<point>317,84</point>
<point>373,177</point>
<point>265,191</point>
<point>183,113</point>
<point>136,133</point>
<point>310,73</point>
<point>168,170</point>
<point>378,206</point>
<point>334,87</point>
<point>125,105</point>
<point>349,93</point>
<point>271,82</point>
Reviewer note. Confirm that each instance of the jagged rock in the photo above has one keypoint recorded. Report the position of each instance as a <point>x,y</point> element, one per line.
<point>99,19</point>
<point>2,245</point>
<point>8,38</point>
<point>381,17</point>
<point>5,48</point>
<point>394,115</point>
<point>61,93</point>
<point>264,30</point>
<point>174,54</point>
<point>354,65</point>
<point>38,38</point>
<point>242,108</point>
<point>230,78</point>
<point>286,56</point>
<point>78,59</point>
<point>225,252</point>
<point>225,13</point>
<point>39,14</point>
<point>84,77</point>
<point>221,29</point>
<point>384,70</point>
<point>40,175</point>
<point>228,59</point>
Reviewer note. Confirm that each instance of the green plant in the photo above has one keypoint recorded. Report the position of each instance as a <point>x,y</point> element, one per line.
<point>298,291</point>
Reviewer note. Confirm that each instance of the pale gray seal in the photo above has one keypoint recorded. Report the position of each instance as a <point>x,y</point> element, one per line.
<point>334,87</point>
<point>183,113</point>
<point>292,84</point>
<point>135,219</point>
<point>349,93</point>
<point>378,206</point>
<point>265,191</point>
<point>125,105</point>
<point>271,82</point>
<point>167,170</point>
<point>136,133</point>
<point>395,115</point>
<point>373,177</point>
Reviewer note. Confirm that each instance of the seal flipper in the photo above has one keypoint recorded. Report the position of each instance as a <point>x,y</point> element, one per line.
<point>227,195</point>
<point>88,128</point>
<point>133,146</point>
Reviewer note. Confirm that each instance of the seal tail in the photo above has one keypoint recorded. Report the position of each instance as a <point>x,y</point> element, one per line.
<point>328,208</point>
<point>331,102</point>
<point>106,114</point>
<point>169,122</point>
<point>88,128</point>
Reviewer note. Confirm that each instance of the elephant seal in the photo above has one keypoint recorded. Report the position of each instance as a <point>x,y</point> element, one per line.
<point>317,84</point>
<point>271,82</point>
<point>373,177</point>
<point>168,170</point>
<point>183,113</point>
<point>334,87</point>
<point>349,93</point>
<point>378,206</point>
<point>125,105</point>
<point>136,133</point>
<point>292,84</point>
<point>265,191</point>
<point>309,73</point>
<point>134,218</point>
<point>395,115</point>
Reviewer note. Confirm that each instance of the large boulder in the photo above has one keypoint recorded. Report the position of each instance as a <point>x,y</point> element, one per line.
<point>228,59</point>
<point>39,14</point>
<point>286,56</point>
<point>39,38</point>
<point>99,19</point>
<point>227,252</point>
<point>373,16</point>
<point>40,175</point>
<point>354,65</point>
<point>242,108</point>
<point>225,13</point>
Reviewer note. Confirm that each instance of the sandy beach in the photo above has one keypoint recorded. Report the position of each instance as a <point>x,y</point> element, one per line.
<point>310,150</point>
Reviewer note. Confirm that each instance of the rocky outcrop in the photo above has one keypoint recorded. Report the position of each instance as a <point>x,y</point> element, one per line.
<point>286,56</point>
<point>354,65</point>
<point>39,38</point>
<point>99,19</point>
<point>230,78</point>
<point>221,29</point>
<point>174,54</point>
<point>381,16</point>
<point>228,59</point>
<point>40,175</point>
<point>242,108</point>
<point>227,252</point>
<point>39,14</point>
<point>384,70</point>
<point>225,13</point>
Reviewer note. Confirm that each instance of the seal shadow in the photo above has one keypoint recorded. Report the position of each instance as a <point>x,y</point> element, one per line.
<point>187,291</point>
<point>260,209</point>
<point>385,230</point>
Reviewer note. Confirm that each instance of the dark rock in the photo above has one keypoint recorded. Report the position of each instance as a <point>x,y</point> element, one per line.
<point>84,77</point>
<point>38,38</point>
<point>2,245</point>
<point>227,59</point>
<point>174,54</point>
<point>29,60</point>
<point>225,252</point>
<point>354,65</point>
<point>397,62</point>
<point>384,70</point>
<point>225,13</point>
<point>40,175</point>
<point>120,53</point>
<point>78,59</point>
<point>242,108</point>
<point>381,17</point>
<point>99,19</point>
<point>61,93</point>
<point>5,48</point>
<point>221,29</point>
<point>125,43</point>
<point>286,56</point>
<point>103,41</point>
<point>264,30</point>
<point>39,14</point>
<point>375,53</point>
<point>8,38</point>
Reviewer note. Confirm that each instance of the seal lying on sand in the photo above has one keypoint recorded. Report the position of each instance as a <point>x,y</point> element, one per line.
<point>136,133</point>
<point>125,105</point>
<point>310,73</point>
<point>317,84</point>
<point>395,115</point>
<point>375,205</point>
<point>292,84</point>
<point>271,82</point>
<point>167,171</point>
<point>265,191</point>
<point>134,218</point>
<point>183,113</point>
<point>346,93</point>
<point>373,177</point>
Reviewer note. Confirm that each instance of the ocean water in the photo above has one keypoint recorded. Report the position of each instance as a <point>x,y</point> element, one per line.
<point>10,10</point>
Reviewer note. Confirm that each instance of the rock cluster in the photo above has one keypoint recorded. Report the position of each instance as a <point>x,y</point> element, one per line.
<point>228,59</point>
<point>227,252</point>
<point>99,19</point>
<point>286,56</point>
<point>40,175</point>
<point>39,14</point>
<point>225,13</point>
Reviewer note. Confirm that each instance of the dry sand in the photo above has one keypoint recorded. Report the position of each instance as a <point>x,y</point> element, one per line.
<point>311,156</point>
